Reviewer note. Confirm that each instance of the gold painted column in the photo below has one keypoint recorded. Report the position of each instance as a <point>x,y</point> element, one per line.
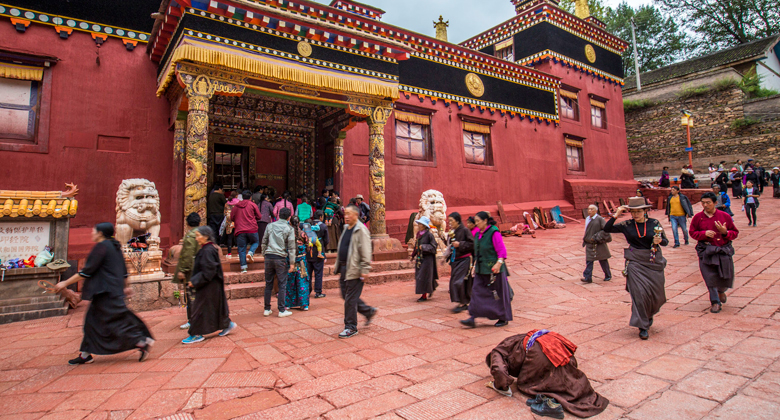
<point>376,170</point>
<point>179,139</point>
<point>199,89</point>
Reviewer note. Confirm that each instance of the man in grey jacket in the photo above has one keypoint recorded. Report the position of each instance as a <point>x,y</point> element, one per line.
<point>353,263</point>
<point>279,251</point>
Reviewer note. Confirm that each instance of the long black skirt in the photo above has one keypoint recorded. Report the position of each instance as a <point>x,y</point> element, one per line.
<point>460,281</point>
<point>426,276</point>
<point>210,311</point>
<point>645,283</point>
<point>110,327</point>
<point>485,304</point>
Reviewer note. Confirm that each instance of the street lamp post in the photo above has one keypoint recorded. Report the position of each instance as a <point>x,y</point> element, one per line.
<point>687,121</point>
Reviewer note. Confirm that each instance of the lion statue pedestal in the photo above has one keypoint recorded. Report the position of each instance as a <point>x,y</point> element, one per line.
<point>433,206</point>
<point>138,213</point>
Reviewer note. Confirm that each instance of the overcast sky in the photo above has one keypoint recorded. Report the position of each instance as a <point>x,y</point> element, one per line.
<point>467,17</point>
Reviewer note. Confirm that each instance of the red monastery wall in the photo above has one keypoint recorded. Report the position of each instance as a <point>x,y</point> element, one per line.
<point>116,99</point>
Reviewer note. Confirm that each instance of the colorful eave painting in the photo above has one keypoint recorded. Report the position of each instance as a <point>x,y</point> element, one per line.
<point>338,29</point>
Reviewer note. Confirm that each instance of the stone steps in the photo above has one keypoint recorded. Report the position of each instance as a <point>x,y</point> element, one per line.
<point>24,309</point>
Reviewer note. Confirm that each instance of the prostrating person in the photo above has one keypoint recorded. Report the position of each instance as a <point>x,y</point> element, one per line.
<point>461,242</point>
<point>595,242</point>
<point>544,364</point>
<point>210,311</point>
<point>715,230</point>
<point>645,262</point>
<point>491,296</point>
<point>353,264</point>
<point>109,326</point>
<point>679,209</point>
<point>189,248</point>
<point>426,274</point>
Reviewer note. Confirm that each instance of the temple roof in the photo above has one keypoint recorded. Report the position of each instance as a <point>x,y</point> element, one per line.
<point>39,203</point>
<point>711,62</point>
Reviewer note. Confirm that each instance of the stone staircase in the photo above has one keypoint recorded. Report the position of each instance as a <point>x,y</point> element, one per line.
<point>252,283</point>
<point>27,308</point>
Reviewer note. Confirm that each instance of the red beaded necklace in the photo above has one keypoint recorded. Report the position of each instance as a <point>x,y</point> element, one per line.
<point>636,225</point>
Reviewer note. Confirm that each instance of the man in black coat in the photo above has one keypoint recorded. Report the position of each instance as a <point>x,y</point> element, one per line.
<point>316,260</point>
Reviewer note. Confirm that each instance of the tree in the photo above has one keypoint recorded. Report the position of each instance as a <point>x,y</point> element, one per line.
<point>724,23</point>
<point>659,40</point>
<point>597,8</point>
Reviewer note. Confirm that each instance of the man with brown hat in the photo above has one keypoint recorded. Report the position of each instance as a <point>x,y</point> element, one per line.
<point>365,210</point>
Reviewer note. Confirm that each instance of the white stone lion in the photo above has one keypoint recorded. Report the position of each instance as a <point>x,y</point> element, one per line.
<point>137,210</point>
<point>433,206</point>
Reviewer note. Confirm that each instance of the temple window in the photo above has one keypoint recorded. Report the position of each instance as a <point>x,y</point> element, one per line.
<point>570,107</point>
<point>598,114</point>
<point>20,93</point>
<point>413,136</point>
<point>506,50</point>
<point>476,143</point>
<point>574,158</point>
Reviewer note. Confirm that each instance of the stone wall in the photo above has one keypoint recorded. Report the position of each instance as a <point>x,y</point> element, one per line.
<point>657,139</point>
<point>584,192</point>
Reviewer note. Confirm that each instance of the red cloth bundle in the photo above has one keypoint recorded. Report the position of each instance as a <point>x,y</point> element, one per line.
<point>555,346</point>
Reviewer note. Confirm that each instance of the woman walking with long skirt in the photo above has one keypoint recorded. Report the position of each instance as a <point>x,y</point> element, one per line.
<point>462,243</point>
<point>645,262</point>
<point>109,326</point>
<point>424,256</point>
<point>490,295</point>
<point>209,305</point>
<point>298,291</point>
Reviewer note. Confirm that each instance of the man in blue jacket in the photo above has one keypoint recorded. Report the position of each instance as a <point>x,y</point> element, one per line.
<point>679,209</point>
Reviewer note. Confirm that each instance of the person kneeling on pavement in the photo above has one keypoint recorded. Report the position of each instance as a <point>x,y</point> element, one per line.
<point>544,366</point>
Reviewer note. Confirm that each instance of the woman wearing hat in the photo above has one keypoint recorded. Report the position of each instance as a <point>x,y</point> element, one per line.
<point>491,296</point>
<point>775,179</point>
<point>424,257</point>
<point>736,183</point>
<point>109,326</point>
<point>645,262</point>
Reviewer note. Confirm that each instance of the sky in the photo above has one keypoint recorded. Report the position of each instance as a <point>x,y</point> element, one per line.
<point>467,17</point>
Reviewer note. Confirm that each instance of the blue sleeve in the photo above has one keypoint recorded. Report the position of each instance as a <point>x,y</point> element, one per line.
<point>726,200</point>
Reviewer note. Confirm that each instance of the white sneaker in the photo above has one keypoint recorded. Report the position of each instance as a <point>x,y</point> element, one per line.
<point>243,271</point>
<point>284,314</point>
<point>267,312</point>
<point>250,257</point>
<point>185,326</point>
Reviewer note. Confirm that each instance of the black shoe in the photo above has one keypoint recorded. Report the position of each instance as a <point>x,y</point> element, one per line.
<point>501,323</point>
<point>538,400</point>
<point>347,333</point>
<point>144,353</point>
<point>460,308</point>
<point>371,316</point>
<point>584,280</point>
<point>676,246</point>
<point>422,299</point>
<point>608,278</point>
<point>651,322</point>
<point>548,408</point>
<point>643,334</point>
<point>469,322</point>
<point>81,361</point>
<point>319,295</point>
<point>686,243</point>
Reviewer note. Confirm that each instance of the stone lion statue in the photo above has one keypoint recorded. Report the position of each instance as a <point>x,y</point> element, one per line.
<point>433,206</point>
<point>137,210</point>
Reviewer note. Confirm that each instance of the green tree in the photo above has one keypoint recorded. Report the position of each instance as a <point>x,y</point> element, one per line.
<point>597,8</point>
<point>724,23</point>
<point>659,40</point>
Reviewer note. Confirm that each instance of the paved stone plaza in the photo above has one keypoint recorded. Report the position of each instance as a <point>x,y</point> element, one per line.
<point>416,362</point>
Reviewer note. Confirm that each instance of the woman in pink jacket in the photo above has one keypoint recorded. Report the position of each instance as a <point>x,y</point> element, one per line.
<point>282,203</point>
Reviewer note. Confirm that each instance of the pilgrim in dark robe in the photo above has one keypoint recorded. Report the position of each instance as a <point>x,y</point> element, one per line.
<point>426,273</point>
<point>716,254</point>
<point>644,271</point>
<point>460,261</point>
<point>209,307</point>
<point>545,367</point>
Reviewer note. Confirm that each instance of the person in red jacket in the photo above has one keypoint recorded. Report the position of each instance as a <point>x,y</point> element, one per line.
<point>245,215</point>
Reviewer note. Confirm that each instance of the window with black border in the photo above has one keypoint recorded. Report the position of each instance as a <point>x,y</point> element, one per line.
<point>570,106</point>
<point>20,102</point>
<point>575,161</point>
<point>477,144</point>
<point>598,113</point>
<point>413,137</point>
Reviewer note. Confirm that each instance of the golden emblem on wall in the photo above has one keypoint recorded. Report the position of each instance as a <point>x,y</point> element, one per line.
<point>304,48</point>
<point>474,85</point>
<point>590,53</point>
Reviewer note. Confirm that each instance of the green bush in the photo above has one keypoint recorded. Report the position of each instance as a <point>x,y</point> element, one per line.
<point>691,92</point>
<point>725,84</point>
<point>629,105</point>
<point>741,123</point>
<point>751,85</point>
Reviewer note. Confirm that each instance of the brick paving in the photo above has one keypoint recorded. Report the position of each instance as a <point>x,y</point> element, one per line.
<point>416,362</point>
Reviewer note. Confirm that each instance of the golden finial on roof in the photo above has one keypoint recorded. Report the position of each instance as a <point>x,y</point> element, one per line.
<point>441,28</point>
<point>581,9</point>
